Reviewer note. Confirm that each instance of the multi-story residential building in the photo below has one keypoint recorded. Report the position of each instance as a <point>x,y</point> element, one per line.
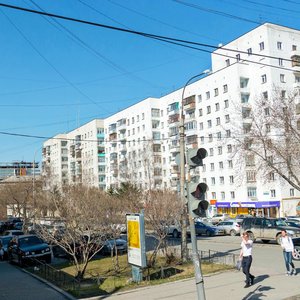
<point>77,157</point>
<point>142,141</point>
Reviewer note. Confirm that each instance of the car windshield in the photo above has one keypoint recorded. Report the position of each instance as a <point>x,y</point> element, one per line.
<point>30,241</point>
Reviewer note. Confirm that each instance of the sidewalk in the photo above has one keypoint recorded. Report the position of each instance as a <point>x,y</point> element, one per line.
<point>223,286</point>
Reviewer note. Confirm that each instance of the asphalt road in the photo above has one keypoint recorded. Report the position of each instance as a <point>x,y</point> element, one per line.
<point>18,285</point>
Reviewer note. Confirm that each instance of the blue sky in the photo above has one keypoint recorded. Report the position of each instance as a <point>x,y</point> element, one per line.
<point>57,75</point>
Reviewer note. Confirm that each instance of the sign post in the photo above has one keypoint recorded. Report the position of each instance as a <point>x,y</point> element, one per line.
<point>136,244</point>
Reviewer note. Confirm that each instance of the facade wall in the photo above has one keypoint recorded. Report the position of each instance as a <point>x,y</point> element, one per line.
<point>142,141</point>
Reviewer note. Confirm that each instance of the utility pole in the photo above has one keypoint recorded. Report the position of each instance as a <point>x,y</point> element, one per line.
<point>184,250</point>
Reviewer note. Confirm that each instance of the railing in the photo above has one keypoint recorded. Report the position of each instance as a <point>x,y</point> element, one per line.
<point>57,277</point>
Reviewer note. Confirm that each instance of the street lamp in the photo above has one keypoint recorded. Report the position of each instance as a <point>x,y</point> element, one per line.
<point>33,189</point>
<point>199,285</point>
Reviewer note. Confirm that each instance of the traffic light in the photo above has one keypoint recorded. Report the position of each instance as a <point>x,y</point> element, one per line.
<point>197,203</point>
<point>196,156</point>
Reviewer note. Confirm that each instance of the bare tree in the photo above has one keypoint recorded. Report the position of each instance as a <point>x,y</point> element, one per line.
<point>84,212</point>
<point>269,138</point>
<point>162,209</point>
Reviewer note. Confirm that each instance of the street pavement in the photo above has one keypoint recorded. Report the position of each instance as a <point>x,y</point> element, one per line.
<point>18,285</point>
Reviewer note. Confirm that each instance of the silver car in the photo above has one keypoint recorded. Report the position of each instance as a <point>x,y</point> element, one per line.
<point>231,227</point>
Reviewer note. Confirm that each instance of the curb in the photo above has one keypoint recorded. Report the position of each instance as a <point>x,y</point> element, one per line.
<point>64,293</point>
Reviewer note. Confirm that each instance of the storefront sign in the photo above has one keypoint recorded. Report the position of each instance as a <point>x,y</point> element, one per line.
<point>257,204</point>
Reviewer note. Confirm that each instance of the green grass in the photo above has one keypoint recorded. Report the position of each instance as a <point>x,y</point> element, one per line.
<point>101,278</point>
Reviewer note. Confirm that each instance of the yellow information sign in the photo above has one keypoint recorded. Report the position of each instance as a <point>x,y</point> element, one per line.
<point>133,234</point>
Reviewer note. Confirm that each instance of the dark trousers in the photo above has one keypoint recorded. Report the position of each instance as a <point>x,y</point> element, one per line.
<point>246,264</point>
<point>288,260</point>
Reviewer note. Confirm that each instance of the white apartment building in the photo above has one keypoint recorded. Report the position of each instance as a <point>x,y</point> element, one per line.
<point>142,141</point>
<point>78,156</point>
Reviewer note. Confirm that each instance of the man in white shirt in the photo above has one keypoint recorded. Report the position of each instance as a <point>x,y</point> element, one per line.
<point>288,248</point>
<point>246,256</point>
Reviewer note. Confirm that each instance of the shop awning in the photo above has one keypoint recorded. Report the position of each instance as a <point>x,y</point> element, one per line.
<point>252,204</point>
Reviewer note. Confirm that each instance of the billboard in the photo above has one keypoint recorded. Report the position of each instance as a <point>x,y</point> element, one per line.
<point>136,240</point>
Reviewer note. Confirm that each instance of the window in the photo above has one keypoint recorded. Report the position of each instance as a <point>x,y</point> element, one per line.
<point>202,139</point>
<point>218,121</point>
<point>213,181</point>
<point>199,98</point>
<point>231,179</point>
<point>207,95</point>
<point>221,165</point>
<point>220,150</point>
<point>283,94</point>
<point>209,123</point>
<point>212,166</point>
<point>223,195</point>
<point>219,136</point>
<point>201,126</point>
<point>279,45</point>
<point>282,79</point>
<point>226,103</point>
<point>227,118</point>
<point>211,151</point>
<point>268,128</point>
<point>280,61</point>
<point>216,92</point>
<point>132,120</point>
<point>213,195</point>
<point>264,78</point>
<point>221,179</point>
<point>265,95</point>
<point>218,105</point>
<point>294,47</point>
<point>267,111</point>
<point>249,51</point>
<point>208,108</point>
<point>292,192</point>
<point>271,176</point>
<point>232,195</point>
<point>210,138</point>
<point>230,164</point>
<point>273,193</point>
<point>227,62</point>
<point>243,82</point>
<point>245,97</point>
<point>204,168</point>
<point>143,116</point>
<point>238,57</point>
<point>251,191</point>
<point>228,133</point>
<point>251,176</point>
<point>261,46</point>
<point>229,148</point>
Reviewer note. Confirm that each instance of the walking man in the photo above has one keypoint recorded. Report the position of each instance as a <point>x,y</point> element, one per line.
<point>246,256</point>
<point>288,249</point>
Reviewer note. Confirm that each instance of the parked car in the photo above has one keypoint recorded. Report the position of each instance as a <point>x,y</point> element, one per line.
<point>267,229</point>
<point>240,218</point>
<point>4,240</point>
<point>207,229</point>
<point>110,246</point>
<point>296,253</point>
<point>29,247</point>
<point>13,232</point>
<point>219,217</point>
<point>292,223</point>
<point>18,226</point>
<point>11,221</point>
<point>174,230</point>
<point>231,227</point>
<point>3,226</point>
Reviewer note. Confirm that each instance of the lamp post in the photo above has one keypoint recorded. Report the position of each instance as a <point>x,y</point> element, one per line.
<point>184,253</point>
<point>33,189</point>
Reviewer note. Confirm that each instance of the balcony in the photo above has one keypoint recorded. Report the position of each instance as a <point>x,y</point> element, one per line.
<point>112,128</point>
<point>295,57</point>
<point>189,103</point>
<point>123,148</point>
<point>174,119</point>
<point>113,137</point>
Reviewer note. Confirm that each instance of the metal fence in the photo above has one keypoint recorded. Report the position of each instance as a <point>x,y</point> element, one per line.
<point>212,256</point>
<point>55,276</point>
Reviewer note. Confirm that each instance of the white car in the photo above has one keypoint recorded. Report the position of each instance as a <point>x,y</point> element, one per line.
<point>219,217</point>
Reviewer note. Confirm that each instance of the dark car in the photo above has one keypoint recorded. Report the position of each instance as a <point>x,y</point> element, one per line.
<point>3,226</point>
<point>13,232</point>
<point>296,254</point>
<point>28,248</point>
<point>110,246</point>
<point>268,229</point>
<point>4,241</point>
<point>208,229</point>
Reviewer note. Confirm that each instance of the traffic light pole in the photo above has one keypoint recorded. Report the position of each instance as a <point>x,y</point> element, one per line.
<point>195,254</point>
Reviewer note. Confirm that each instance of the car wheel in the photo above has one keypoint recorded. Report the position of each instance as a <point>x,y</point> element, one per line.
<point>265,241</point>
<point>296,254</point>
<point>175,233</point>
<point>232,232</point>
<point>208,233</point>
<point>278,238</point>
